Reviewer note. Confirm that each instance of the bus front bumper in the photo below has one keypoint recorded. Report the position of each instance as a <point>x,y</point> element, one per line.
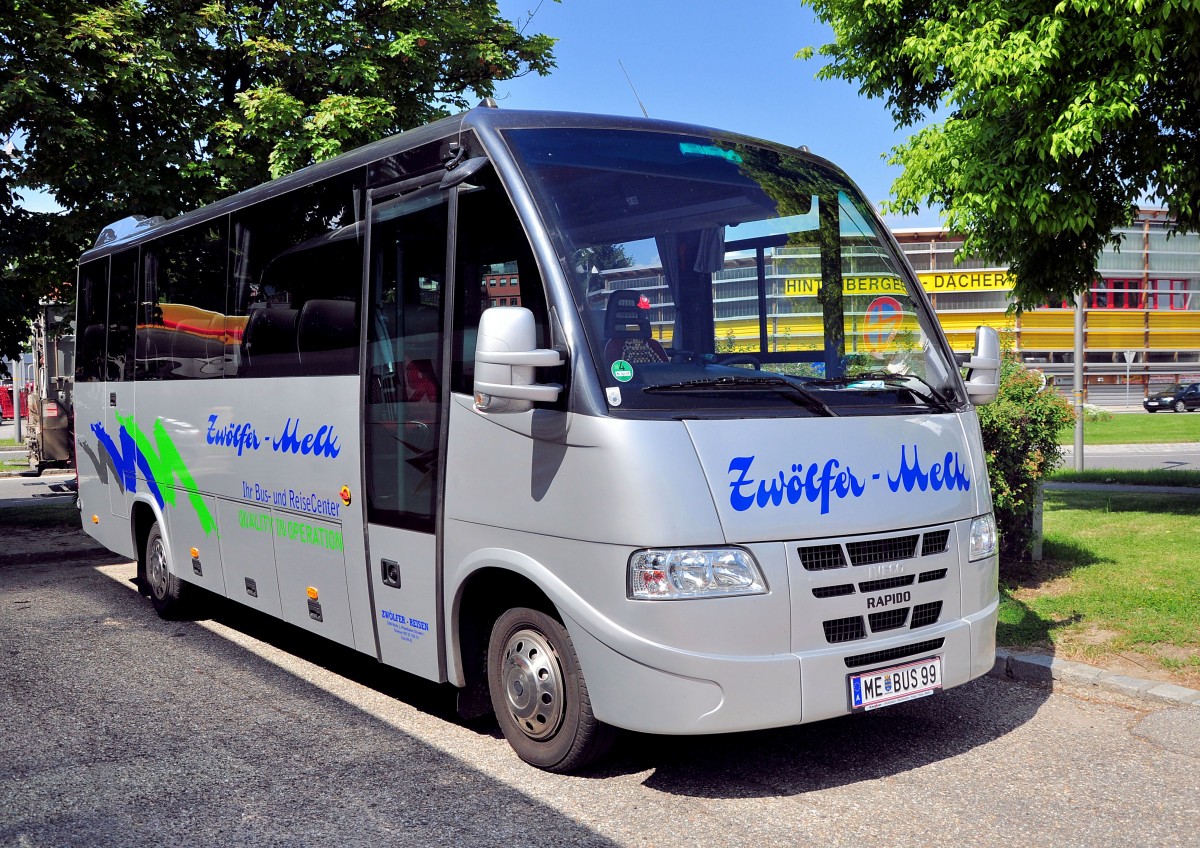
<point>678,693</point>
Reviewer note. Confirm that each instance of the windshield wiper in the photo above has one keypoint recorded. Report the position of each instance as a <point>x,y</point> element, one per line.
<point>933,398</point>
<point>727,383</point>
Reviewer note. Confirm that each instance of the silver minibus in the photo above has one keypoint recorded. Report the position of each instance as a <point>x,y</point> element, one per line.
<point>608,422</point>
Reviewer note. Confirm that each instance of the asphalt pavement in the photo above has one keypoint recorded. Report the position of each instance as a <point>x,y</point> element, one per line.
<point>117,728</point>
<point>122,729</point>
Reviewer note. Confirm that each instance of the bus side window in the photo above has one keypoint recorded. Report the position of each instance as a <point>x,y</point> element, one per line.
<point>181,321</point>
<point>122,316</point>
<point>296,282</point>
<point>495,267</point>
<point>92,321</point>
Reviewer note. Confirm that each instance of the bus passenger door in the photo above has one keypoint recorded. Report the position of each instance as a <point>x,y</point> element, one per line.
<point>403,423</point>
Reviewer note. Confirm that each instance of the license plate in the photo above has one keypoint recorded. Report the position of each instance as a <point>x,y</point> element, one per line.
<point>886,686</point>
<point>1151,403</point>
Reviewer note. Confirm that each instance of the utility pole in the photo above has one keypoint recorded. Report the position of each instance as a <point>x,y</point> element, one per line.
<point>1078,381</point>
<point>16,391</point>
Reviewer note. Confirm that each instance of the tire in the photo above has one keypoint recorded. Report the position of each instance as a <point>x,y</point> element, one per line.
<point>1152,411</point>
<point>1180,406</point>
<point>168,594</point>
<point>539,694</point>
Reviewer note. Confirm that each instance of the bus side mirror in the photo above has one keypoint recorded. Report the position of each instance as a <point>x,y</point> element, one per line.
<point>505,358</point>
<point>983,367</point>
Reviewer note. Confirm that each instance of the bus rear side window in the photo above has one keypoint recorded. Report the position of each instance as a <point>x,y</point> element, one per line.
<point>92,320</point>
<point>181,323</point>
<point>296,282</point>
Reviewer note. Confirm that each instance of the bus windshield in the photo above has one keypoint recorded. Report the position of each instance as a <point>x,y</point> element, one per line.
<point>715,275</point>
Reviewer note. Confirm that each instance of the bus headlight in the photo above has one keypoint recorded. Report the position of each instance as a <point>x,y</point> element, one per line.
<point>983,537</point>
<point>678,573</point>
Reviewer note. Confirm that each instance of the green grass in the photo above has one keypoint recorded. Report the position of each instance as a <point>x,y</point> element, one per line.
<point>1120,578</point>
<point>1148,477</point>
<point>20,463</point>
<point>1138,428</point>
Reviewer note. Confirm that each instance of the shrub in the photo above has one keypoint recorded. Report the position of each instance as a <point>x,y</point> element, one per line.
<point>1020,439</point>
<point>1095,413</point>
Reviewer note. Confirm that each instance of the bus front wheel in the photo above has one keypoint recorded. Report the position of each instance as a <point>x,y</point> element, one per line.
<point>167,592</point>
<point>539,694</point>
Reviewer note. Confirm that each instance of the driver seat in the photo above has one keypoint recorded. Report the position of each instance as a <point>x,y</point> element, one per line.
<point>627,328</point>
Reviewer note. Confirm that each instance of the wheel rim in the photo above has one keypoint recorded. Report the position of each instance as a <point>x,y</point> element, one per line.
<point>156,568</point>
<point>533,684</point>
<point>1180,406</point>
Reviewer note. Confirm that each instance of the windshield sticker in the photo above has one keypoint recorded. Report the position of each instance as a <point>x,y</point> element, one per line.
<point>692,149</point>
<point>823,483</point>
<point>614,395</point>
<point>622,371</point>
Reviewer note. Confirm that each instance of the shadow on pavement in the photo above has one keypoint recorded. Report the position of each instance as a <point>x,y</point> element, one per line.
<point>194,722</point>
<point>123,729</point>
<point>790,760</point>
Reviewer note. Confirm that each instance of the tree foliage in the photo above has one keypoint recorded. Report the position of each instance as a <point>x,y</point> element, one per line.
<point>153,107</point>
<point>1020,441</point>
<point>1052,119</point>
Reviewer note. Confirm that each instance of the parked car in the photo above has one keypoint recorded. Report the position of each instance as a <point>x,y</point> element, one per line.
<point>1181,397</point>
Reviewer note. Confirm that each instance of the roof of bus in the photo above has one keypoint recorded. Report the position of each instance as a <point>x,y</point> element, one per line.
<point>480,118</point>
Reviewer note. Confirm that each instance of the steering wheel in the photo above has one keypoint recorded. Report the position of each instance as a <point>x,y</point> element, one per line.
<point>741,359</point>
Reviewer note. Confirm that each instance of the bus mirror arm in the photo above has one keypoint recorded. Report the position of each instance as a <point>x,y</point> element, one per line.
<point>983,367</point>
<point>506,355</point>
<point>540,393</point>
<point>534,358</point>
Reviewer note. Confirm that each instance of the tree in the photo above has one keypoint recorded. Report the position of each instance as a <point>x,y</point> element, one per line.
<point>1020,441</point>
<point>153,107</point>
<point>1053,120</point>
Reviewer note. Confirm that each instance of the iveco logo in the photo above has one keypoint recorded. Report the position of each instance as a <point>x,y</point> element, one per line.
<point>888,569</point>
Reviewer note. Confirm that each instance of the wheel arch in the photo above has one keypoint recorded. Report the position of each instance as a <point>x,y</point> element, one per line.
<point>481,598</point>
<point>143,516</point>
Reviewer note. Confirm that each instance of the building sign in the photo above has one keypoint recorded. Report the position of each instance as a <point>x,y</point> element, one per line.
<point>808,286</point>
<point>956,281</point>
<point>934,282</point>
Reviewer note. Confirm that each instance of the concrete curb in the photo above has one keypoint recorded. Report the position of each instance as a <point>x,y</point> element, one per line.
<point>49,472</point>
<point>1069,676</point>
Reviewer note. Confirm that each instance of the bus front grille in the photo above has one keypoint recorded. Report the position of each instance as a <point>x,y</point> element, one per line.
<point>926,614</point>
<point>874,657</point>
<point>822,557</point>
<point>886,583</point>
<point>844,629</point>
<point>888,619</point>
<point>882,550</point>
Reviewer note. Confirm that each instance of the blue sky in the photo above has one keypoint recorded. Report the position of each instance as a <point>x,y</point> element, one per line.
<point>719,64</point>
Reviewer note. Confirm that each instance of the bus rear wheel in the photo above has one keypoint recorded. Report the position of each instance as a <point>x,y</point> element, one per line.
<point>168,594</point>
<point>539,694</point>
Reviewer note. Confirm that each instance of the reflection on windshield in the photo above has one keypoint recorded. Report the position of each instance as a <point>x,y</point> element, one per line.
<point>693,260</point>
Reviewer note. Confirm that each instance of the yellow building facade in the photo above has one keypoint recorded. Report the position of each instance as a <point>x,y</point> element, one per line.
<point>1141,314</point>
